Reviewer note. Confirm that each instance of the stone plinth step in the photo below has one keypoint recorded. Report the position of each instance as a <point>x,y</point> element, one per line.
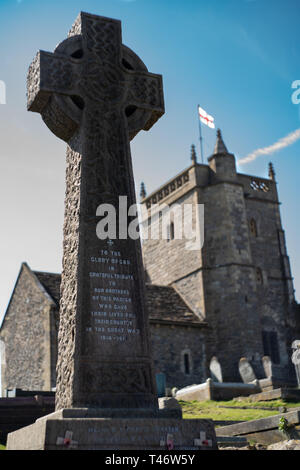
<point>283,393</point>
<point>56,433</point>
<point>232,441</point>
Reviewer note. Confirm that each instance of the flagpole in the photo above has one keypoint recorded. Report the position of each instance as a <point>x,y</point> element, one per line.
<point>200,135</point>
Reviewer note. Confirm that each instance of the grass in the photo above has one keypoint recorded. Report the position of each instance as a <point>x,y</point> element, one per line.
<point>213,409</point>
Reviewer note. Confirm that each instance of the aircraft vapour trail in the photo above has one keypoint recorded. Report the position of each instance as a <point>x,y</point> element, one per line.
<point>280,144</point>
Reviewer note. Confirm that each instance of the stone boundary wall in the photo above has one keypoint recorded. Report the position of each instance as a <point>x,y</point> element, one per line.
<point>18,412</point>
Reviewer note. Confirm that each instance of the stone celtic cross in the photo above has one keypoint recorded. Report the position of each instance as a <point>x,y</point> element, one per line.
<point>96,94</point>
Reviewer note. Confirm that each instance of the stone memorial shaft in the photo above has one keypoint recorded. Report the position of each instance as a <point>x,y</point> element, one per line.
<point>96,94</point>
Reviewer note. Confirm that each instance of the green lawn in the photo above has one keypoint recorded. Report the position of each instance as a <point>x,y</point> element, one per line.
<point>214,409</point>
<point>2,447</point>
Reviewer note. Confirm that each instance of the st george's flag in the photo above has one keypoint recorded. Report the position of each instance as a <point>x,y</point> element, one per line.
<point>206,118</point>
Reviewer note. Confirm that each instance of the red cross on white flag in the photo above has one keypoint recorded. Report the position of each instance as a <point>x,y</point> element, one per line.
<point>206,118</point>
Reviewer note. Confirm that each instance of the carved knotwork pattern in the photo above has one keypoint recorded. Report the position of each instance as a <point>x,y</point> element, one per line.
<point>59,72</point>
<point>106,169</point>
<point>118,379</point>
<point>103,79</point>
<point>103,86</point>
<point>103,39</point>
<point>145,90</point>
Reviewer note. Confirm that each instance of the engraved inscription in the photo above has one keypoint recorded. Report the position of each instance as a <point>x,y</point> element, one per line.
<point>112,317</point>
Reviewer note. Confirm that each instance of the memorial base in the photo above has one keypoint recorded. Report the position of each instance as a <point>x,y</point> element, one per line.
<point>92,429</point>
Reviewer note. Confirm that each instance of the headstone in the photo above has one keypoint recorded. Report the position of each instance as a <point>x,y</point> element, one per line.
<point>96,94</point>
<point>246,371</point>
<point>215,370</point>
<point>160,384</point>
<point>267,365</point>
<point>296,358</point>
<point>168,402</point>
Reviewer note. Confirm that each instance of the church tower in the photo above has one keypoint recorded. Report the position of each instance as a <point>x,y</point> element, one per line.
<point>239,281</point>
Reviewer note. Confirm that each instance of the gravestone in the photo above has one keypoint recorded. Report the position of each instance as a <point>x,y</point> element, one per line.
<point>215,370</point>
<point>96,94</point>
<point>267,365</point>
<point>246,370</point>
<point>296,358</point>
<point>160,384</point>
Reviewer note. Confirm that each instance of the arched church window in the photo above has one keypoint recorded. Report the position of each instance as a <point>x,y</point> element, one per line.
<point>186,362</point>
<point>171,231</point>
<point>253,227</point>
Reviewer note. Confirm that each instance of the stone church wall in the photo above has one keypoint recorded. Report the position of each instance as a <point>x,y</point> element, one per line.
<point>25,332</point>
<point>172,348</point>
<point>166,261</point>
<point>275,291</point>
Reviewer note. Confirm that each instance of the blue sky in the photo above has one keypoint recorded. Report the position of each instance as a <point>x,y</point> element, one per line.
<point>236,58</point>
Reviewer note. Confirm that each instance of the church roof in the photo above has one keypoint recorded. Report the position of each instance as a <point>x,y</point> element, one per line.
<point>51,283</point>
<point>163,302</point>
